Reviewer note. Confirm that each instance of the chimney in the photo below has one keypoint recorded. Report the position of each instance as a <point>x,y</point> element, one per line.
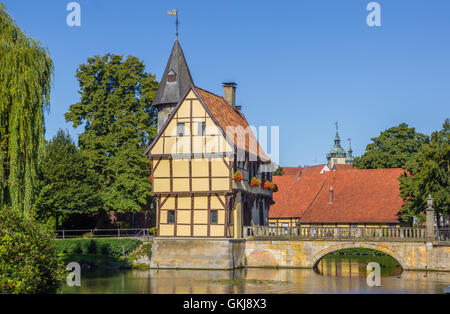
<point>331,195</point>
<point>229,93</point>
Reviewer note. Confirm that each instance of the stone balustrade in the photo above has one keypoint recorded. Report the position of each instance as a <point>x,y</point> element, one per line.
<point>335,233</point>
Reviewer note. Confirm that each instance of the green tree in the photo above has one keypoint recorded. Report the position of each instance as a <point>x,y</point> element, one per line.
<point>67,186</point>
<point>28,259</point>
<point>428,172</point>
<point>278,172</point>
<point>119,123</point>
<point>25,74</point>
<point>392,149</point>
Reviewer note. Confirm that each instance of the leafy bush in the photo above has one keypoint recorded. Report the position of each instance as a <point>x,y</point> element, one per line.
<point>76,249</point>
<point>28,260</point>
<point>102,246</point>
<point>92,247</point>
<point>105,250</point>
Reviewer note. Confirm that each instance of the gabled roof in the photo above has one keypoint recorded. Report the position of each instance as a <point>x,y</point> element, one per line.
<point>224,116</point>
<point>291,171</point>
<point>172,92</point>
<point>359,196</point>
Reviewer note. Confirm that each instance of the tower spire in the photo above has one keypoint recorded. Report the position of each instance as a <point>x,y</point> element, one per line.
<point>337,139</point>
<point>349,159</point>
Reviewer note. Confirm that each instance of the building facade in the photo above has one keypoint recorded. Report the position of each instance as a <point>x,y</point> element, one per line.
<point>203,159</point>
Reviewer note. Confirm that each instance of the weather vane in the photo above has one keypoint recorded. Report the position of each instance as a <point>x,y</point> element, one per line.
<point>175,12</point>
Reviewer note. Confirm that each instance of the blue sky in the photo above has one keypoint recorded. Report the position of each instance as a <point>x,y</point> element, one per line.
<point>301,65</point>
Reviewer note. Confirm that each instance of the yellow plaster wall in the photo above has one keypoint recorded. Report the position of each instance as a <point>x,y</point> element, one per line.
<point>161,185</point>
<point>200,230</point>
<point>183,231</point>
<point>184,216</point>
<point>217,230</point>
<point>200,185</point>
<point>166,230</point>
<point>201,202</point>
<point>200,216</point>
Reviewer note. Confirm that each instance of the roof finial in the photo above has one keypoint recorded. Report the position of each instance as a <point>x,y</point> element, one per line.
<point>175,12</point>
<point>337,127</point>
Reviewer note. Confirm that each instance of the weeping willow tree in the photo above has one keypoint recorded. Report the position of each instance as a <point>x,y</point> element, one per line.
<point>25,74</point>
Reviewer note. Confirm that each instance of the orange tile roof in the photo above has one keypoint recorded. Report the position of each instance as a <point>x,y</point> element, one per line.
<point>290,171</point>
<point>295,193</point>
<point>360,196</point>
<point>226,116</point>
<point>343,167</point>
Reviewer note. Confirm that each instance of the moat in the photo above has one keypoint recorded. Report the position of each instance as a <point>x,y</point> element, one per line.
<point>333,274</point>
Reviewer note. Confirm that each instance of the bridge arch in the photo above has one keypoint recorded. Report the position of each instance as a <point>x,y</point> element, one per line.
<point>319,255</point>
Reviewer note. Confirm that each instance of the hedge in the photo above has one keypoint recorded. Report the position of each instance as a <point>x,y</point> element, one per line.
<point>113,247</point>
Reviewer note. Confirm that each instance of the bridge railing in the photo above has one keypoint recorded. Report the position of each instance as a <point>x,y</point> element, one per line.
<point>335,233</point>
<point>443,235</point>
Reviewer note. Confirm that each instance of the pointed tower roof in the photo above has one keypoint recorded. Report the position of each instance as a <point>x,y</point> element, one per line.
<point>176,80</point>
<point>336,150</point>
<point>349,159</point>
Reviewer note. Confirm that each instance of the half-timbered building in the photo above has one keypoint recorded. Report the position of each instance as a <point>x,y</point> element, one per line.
<point>203,159</point>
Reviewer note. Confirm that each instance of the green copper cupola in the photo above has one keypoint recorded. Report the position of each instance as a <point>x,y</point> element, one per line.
<point>336,151</point>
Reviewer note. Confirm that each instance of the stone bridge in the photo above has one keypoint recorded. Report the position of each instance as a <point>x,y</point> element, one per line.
<point>304,247</point>
<point>301,247</point>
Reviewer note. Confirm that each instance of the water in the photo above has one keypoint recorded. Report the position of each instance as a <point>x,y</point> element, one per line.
<point>334,274</point>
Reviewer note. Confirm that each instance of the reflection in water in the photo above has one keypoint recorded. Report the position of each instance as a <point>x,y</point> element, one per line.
<point>356,266</point>
<point>253,280</point>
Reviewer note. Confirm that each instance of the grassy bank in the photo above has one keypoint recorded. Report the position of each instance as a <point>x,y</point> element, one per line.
<point>103,253</point>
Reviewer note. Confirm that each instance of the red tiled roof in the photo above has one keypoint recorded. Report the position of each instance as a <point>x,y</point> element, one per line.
<point>228,117</point>
<point>360,196</point>
<point>343,167</point>
<point>295,193</point>
<point>291,171</point>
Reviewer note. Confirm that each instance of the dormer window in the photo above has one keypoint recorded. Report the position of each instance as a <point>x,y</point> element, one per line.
<point>171,77</point>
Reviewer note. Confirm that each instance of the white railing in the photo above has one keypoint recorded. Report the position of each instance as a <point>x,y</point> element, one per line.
<point>336,233</point>
<point>103,233</point>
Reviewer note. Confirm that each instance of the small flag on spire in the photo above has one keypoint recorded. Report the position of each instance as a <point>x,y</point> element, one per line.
<point>174,12</point>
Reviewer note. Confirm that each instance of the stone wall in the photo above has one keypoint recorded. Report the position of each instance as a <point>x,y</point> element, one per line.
<point>190,253</point>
